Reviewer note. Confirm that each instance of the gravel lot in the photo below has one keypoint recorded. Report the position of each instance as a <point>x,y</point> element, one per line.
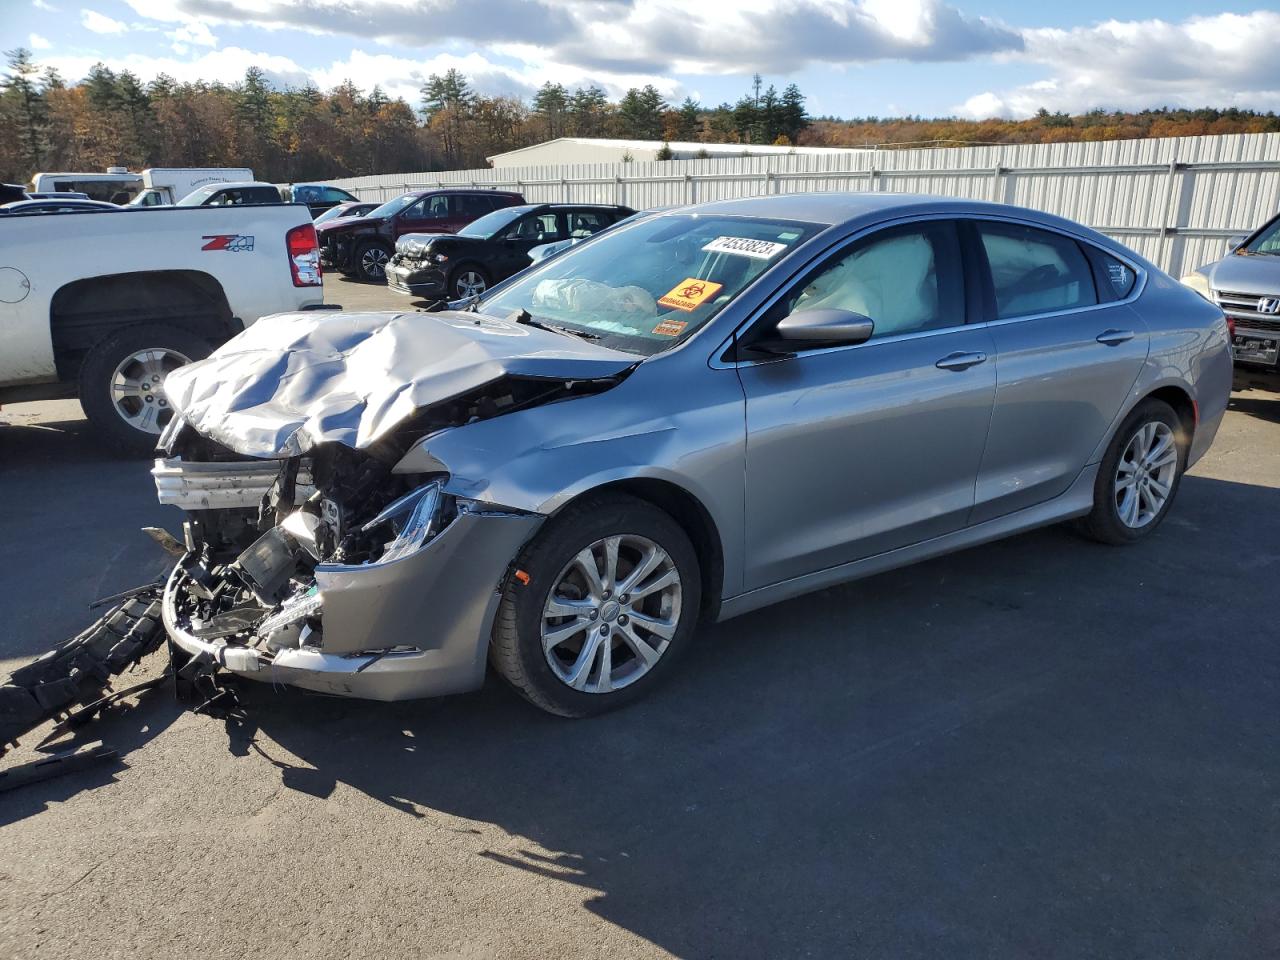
<point>1038,748</point>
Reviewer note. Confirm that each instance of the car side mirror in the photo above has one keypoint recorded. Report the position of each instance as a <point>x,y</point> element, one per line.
<point>1236,242</point>
<point>825,326</point>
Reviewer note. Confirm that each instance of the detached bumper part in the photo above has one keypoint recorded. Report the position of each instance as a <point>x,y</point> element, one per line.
<point>417,626</point>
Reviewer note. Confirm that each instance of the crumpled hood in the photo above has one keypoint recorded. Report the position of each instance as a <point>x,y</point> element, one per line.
<point>295,380</point>
<point>1247,274</point>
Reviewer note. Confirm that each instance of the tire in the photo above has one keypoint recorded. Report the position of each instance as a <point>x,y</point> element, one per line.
<point>547,563</point>
<point>468,279</point>
<point>1123,516</point>
<point>370,261</point>
<point>131,421</point>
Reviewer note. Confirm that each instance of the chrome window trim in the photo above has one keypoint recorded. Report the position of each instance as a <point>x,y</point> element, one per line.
<point>717,362</point>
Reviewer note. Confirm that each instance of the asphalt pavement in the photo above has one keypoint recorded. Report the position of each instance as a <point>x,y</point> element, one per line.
<point>1039,748</point>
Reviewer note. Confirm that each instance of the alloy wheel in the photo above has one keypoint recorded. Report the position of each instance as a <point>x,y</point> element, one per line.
<point>469,284</point>
<point>373,263</point>
<point>136,388</point>
<point>1145,474</point>
<point>611,614</point>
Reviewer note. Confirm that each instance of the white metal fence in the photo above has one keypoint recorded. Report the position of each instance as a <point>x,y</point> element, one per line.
<point>1174,200</point>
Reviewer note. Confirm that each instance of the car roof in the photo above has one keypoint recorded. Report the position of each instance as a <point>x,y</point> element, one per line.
<point>479,190</point>
<point>239,185</point>
<point>854,209</point>
<point>19,205</point>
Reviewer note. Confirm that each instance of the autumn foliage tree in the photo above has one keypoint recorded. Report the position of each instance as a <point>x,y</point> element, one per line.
<point>112,117</point>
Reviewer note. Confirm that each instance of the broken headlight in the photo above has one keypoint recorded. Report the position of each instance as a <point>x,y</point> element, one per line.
<point>409,522</point>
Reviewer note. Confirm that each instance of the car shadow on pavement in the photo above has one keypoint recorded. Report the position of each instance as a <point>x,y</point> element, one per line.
<point>1035,742</point>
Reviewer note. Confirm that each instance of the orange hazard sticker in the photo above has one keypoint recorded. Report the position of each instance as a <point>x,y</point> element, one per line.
<point>670,328</point>
<point>690,294</point>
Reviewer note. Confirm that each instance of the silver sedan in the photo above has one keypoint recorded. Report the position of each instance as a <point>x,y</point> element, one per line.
<point>680,420</point>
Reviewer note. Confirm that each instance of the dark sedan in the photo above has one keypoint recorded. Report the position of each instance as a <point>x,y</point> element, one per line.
<point>463,264</point>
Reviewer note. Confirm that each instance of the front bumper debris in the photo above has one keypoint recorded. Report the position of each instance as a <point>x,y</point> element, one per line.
<point>415,279</point>
<point>78,671</point>
<point>292,608</point>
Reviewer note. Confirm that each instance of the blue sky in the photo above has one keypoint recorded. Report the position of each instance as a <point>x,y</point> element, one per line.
<point>850,57</point>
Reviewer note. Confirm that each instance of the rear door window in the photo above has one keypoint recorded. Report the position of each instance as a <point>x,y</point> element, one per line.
<point>1035,271</point>
<point>471,205</point>
<point>583,223</point>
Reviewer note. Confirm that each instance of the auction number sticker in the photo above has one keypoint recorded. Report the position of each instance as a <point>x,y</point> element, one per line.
<point>689,294</point>
<point>745,247</point>
<point>670,328</point>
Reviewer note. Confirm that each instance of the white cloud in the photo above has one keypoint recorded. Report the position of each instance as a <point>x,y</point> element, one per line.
<point>638,36</point>
<point>43,5</point>
<point>100,23</point>
<point>194,33</point>
<point>227,65</point>
<point>1223,60</point>
<point>37,42</point>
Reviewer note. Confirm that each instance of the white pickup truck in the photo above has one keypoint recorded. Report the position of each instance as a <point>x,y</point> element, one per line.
<point>102,305</point>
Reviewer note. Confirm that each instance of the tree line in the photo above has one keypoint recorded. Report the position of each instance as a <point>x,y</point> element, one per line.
<point>303,133</point>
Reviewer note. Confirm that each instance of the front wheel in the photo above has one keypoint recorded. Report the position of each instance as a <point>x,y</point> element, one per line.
<point>1139,475</point>
<point>598,607</point>
<point>467,281</point>
<point>121,380</point>
<point>371,262</point>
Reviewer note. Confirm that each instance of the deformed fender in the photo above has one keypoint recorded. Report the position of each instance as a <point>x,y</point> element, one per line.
<point>539,460</point>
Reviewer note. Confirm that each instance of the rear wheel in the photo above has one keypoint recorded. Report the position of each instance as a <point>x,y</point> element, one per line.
<point>121,380</point>
<point>1139,475</point>
<point>600,606</point>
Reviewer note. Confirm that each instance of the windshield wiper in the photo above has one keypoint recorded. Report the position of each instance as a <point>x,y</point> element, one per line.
<point>524,317</point>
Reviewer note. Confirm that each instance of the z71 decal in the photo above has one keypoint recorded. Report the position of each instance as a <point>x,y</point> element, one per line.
<point>231,242</point>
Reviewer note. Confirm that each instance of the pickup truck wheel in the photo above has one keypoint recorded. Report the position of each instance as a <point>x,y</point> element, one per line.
<point>371,261</point>
<point>121,377</point>
<point>599,607</point>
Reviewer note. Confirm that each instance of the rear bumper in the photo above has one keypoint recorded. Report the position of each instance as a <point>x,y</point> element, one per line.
<point>416,627</point>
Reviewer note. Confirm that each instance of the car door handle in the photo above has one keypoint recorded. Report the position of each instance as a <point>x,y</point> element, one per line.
<point>1114,338</point>
<point>960,361</point>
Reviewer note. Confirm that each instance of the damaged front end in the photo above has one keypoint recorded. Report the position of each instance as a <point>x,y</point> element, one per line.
<point>330,572</point>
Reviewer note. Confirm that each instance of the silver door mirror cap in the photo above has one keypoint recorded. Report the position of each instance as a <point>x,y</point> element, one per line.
<point>826,325</point>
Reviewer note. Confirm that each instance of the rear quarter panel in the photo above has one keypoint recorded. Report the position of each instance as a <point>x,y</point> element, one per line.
<point>1190,349</point>
<point>49,252</point>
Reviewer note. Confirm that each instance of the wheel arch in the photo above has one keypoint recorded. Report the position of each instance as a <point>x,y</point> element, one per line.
<point>692,515</point>
<point>82,313</point>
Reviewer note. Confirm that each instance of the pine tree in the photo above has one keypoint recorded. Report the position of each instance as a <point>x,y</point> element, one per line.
<point>551,106</point>
<point>688,124</point>
<point>24,108</point>
<point>588,112</point>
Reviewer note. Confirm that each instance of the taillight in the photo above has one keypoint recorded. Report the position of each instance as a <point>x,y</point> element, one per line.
<point>304,256</point>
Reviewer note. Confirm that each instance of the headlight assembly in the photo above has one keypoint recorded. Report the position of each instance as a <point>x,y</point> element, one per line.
<point>409,522</point>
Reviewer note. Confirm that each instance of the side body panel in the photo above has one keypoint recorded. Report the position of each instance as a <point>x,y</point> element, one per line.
<point>1058,392</point>
<point>855,451</point>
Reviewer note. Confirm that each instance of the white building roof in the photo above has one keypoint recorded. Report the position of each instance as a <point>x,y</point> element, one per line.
<point>677,146</point>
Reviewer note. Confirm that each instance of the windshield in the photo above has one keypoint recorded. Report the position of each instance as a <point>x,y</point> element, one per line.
<point>197,197</point>
<point>649,285</point>
<point>392,207</point>
<point>1267,241</point>
<point>492,223</point>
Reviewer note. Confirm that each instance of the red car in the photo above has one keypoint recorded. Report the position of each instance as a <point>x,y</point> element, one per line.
<point>361,247</point>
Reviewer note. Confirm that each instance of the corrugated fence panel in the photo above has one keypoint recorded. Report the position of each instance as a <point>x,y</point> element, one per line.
<point>1173,200</point>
